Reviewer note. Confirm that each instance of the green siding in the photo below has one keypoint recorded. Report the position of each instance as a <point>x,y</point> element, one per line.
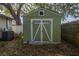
<point>57,30</point>
<point>48,14</point>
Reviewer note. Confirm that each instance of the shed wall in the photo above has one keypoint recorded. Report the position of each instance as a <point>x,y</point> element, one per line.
<point>34,15</point>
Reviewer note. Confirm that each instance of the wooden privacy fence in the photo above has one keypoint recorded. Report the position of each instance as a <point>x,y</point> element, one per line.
<point>70,32</point>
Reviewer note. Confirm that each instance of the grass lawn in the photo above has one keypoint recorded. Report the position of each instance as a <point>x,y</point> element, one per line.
<point>16,47</point>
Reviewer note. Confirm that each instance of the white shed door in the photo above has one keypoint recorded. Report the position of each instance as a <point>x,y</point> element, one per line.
<point>41,30</point>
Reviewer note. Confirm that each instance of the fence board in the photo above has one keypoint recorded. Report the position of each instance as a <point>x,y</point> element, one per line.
<point>70,32</point>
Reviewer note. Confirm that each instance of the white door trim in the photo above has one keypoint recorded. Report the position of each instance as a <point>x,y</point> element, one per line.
<point>42,25</point>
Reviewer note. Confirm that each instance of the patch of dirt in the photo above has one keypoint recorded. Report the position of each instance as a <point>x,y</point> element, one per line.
<point>17,48</point>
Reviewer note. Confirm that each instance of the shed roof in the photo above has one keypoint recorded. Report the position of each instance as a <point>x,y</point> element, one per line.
<point>52,11</point>
<point>6,17</point>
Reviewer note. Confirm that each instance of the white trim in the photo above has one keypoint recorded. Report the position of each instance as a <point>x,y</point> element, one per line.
<point>36,32</point>
<point>46,32</point>
<point>41,11</point>
<point>31,31</point>
<point>41,25</point>
<point>51,30</point>
<point>41,31</point>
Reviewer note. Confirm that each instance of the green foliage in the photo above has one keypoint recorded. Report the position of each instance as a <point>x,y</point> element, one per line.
<point>63,8</point>
<point>6,12</point>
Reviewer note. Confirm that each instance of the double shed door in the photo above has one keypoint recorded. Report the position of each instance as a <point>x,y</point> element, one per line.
<point>41,30</point>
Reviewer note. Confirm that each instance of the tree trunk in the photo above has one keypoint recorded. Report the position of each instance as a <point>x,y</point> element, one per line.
<point>16,17</point>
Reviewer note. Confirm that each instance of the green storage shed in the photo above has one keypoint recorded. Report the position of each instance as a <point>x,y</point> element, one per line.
<point>42,26</point>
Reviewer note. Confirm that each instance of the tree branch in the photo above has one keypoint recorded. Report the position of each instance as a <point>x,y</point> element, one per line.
<point>9,7</point>
<point>19,9</point>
